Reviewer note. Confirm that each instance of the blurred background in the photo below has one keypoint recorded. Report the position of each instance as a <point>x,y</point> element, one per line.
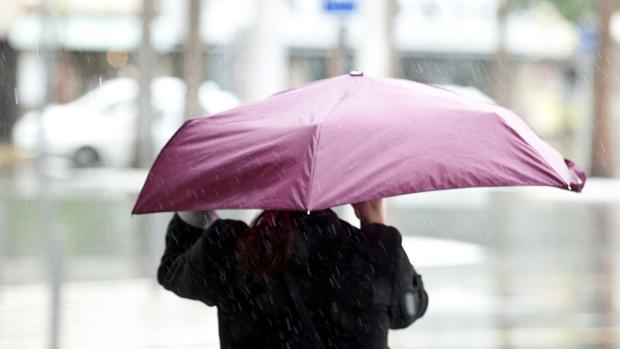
<point>90,90</point>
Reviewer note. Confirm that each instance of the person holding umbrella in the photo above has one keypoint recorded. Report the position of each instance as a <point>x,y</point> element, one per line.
<point>298,276</point>
<point>294,279</point>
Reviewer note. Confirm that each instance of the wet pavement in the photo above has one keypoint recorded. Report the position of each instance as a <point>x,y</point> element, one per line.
<point>531,268</point>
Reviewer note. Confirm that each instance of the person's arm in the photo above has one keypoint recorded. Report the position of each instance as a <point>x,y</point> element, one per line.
<point>409,298</point>
<point>194,258</point>
<point>178,271</point>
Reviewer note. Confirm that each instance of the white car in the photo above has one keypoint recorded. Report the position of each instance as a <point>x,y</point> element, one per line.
<point>469,92</point>
<point>101,126</point>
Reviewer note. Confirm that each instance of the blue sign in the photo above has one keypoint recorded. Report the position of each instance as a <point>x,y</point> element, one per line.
<point>339,6</point>
<point>588,37</point>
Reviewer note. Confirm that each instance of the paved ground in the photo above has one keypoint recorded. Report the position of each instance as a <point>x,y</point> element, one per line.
<point>530,275</point>
<point>122,314</point>
<point>137,314</point>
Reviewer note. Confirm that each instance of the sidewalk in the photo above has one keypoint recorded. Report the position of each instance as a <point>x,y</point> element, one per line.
<point>129,314</point>
<point>139,314</point>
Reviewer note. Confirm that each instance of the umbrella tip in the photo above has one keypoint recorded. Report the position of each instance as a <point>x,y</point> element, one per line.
<point>356,73</point>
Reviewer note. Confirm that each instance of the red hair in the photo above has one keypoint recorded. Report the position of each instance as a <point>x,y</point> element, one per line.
<point>266,246</point>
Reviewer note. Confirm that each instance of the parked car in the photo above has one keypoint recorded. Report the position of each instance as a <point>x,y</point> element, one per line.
<point>469,92</point>
<point>99,128</point>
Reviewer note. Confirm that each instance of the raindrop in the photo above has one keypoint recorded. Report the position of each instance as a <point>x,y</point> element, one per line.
<point>100,81</point>
<point>16,96</point>
<point>288,323</point>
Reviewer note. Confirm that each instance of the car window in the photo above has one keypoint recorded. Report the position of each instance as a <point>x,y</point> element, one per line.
<point>123,108</point>
<point>158,113</point>
<point>129,108</point>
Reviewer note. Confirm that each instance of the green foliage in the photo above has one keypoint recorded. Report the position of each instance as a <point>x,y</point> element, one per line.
<point>572,10</point>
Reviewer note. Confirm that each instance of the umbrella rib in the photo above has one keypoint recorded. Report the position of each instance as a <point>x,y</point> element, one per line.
<point>315,142</point>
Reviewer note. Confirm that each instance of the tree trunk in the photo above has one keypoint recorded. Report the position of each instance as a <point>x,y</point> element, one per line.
<point>337,56</point>
<point>602,147</point>
<point>193,61</point>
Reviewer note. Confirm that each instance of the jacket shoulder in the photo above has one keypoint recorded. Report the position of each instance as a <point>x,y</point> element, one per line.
<point>224,229</point>
<point>377,233</point>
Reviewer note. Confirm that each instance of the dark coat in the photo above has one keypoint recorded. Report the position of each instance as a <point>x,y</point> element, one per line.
<point>355,283</point>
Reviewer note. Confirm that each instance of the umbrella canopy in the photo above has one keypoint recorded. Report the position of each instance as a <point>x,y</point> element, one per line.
<point>348,139</point>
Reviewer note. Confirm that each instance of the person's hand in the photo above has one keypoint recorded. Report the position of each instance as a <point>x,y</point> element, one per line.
<point>198,219</point>
<point>369,211</point>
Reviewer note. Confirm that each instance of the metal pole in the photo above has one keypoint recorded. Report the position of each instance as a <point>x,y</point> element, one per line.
<point>47,208</point>
<point>501,59</point>
<point>267,57</point>
<point>144,144</point>
<point>144,140</point>
<point>193,60</point>
<point>375,53</point>
<point>501,252</point>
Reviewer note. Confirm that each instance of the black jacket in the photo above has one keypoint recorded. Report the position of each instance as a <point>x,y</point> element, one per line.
<point>355,284</point>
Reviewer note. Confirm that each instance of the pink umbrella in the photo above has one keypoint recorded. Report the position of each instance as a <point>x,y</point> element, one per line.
<point>348,139</point>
